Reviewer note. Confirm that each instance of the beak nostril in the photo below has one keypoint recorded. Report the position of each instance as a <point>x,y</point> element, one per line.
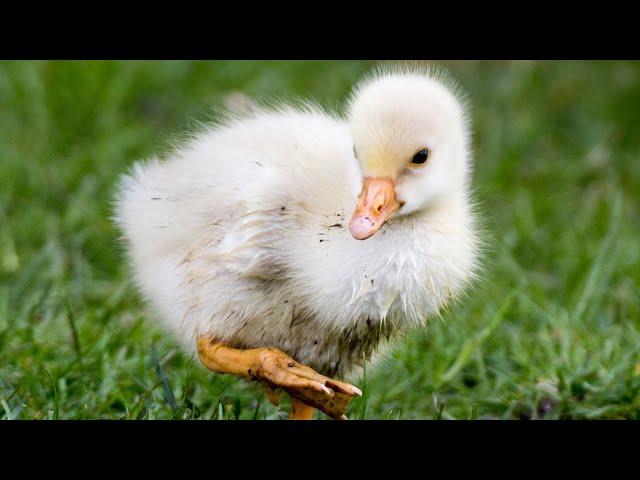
<point>376,203</point>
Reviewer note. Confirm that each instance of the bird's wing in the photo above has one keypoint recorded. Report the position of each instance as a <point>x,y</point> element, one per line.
<point>251,246</point>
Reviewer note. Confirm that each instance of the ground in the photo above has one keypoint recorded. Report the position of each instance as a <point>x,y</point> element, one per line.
<point>551,331</point>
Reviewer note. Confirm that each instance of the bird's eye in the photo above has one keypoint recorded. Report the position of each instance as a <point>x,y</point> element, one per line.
<point>421,157</point>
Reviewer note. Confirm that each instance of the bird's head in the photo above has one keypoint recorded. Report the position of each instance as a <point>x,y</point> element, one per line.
<point>410,141</point>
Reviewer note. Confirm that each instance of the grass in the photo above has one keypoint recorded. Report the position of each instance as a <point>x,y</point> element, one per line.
<point>552,330</point>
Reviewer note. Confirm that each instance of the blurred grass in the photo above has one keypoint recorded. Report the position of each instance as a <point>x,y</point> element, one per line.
<point>552,331</point>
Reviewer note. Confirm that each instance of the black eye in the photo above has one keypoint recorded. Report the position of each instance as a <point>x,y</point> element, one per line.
<point>421,157</point>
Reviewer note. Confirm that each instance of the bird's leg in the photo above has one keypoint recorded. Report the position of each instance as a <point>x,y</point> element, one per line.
<point>277,369</point>
<point>300,410</point>
<point>272,394</point>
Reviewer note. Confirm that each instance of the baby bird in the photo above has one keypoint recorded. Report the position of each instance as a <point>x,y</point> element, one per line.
<point>287,245</point>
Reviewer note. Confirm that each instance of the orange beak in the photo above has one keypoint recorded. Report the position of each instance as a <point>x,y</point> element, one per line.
<point>376,203</point>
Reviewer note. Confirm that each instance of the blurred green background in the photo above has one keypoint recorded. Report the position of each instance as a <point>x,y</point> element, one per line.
<point>551,331</point>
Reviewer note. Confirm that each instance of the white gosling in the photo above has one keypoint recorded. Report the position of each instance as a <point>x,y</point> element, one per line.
<point>297,230</point>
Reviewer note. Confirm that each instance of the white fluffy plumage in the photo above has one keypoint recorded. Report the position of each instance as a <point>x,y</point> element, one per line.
<point>242,233</point>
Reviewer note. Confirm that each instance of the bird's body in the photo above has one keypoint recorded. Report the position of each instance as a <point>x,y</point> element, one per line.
<point>243,235</point>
